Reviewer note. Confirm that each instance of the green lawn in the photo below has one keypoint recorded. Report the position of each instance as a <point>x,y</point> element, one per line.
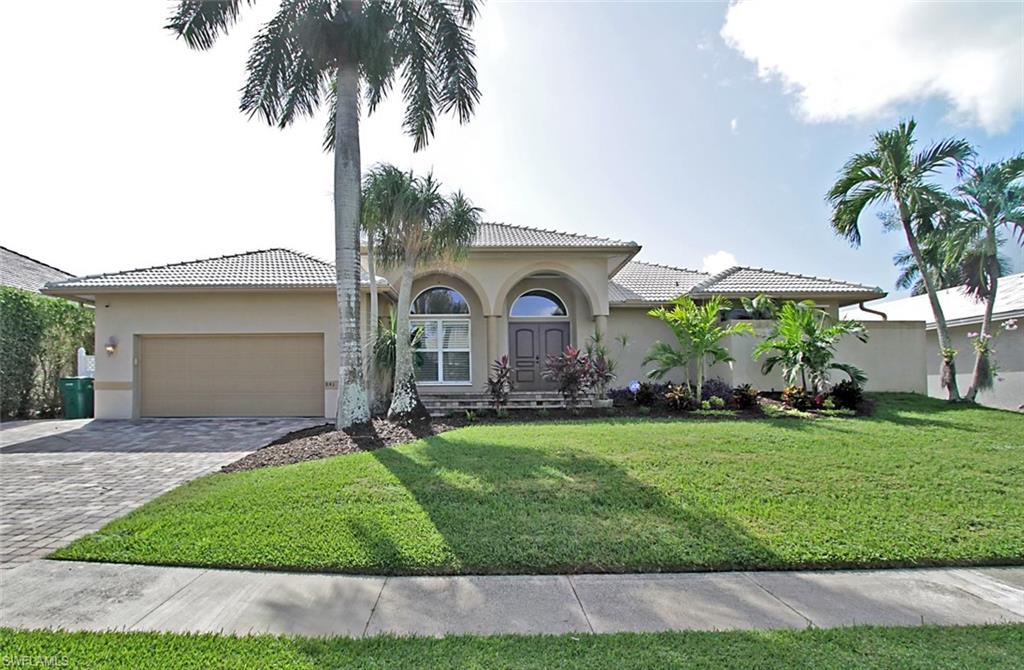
<point>921,482</point>
<point>931,648</point>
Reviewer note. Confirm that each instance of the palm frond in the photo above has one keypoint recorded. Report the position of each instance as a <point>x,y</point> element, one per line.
<point>201,22</point>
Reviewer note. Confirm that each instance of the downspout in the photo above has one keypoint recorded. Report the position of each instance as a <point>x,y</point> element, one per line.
<point>861,305</point>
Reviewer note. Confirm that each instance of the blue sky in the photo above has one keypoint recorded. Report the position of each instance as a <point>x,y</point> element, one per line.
<point>628,120</point>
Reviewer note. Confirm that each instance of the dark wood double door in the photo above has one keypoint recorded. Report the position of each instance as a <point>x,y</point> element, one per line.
<point>530,343</point>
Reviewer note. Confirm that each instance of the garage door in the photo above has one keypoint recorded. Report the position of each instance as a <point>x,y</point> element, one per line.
<point>232,375</point>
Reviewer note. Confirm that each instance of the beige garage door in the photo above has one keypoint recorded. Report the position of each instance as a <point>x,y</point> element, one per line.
<point>232,375</point>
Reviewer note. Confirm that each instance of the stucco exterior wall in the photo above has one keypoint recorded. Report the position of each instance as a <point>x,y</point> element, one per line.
<point>1007,392</point>
<point>126,316</point>
<point>642,332</point>
<point>893,358</point>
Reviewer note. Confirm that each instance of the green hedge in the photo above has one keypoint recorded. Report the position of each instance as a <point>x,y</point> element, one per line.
<point>39,338</point>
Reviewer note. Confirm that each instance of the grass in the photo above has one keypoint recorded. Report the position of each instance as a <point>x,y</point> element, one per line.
<point>919,483</point>
<point>927,647</point>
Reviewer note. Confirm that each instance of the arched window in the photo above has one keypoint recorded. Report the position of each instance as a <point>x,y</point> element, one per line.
<point>440,315</point>
<point>439,300</point>
<point>538,303</point>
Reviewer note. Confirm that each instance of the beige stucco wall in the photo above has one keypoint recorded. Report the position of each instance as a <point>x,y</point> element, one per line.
<point>1008,390</point>
<point>893,358</point>
<point>126,316</point>
<point>493,275</point>
<point>642,331</point>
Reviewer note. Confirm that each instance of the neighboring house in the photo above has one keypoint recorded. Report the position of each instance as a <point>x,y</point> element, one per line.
<point>255,333</point>
<point>26,273</point>
<point>964,315</point>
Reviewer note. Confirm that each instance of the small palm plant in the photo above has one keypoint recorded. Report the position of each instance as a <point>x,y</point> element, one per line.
<point>699,331</point>
<point>803,344</point>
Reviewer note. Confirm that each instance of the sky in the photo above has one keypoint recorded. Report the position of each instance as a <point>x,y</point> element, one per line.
<point>706,132</point>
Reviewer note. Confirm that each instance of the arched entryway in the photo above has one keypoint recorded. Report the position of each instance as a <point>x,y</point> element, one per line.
<point>539,325</point>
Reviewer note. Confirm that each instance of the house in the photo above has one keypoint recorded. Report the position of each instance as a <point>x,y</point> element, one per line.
<point>963,316</point>
<point>28,274</point>
<point>254,333</point>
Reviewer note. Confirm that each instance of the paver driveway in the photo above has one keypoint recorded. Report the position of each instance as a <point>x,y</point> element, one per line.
<point>62,479</point>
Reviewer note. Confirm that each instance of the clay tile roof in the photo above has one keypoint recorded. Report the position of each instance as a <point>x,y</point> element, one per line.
<point>740,280</point>
<point>503,235</point>
<point>26,273</point>
<point>267,268</point>
<point>650,283</point>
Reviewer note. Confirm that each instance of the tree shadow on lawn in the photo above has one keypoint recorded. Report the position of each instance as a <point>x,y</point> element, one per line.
<point>509,509</point>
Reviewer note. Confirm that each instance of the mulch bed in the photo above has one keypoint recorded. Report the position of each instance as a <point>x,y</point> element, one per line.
<point>324,441</point>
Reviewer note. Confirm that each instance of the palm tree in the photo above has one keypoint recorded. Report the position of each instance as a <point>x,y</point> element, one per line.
<point>317,50</point>
<point>891,174</point>
<point>803,345</point>
<point>932,226</point>
<point>424,226</point>
<point>699,331</point>
<point>989,204</point>
<point>382,198</point>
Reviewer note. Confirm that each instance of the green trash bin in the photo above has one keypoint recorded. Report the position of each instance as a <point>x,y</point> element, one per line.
<point>78,397</point>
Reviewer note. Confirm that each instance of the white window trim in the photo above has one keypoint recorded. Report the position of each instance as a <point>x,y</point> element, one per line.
<point>565,306</point>
<point>416,319</point>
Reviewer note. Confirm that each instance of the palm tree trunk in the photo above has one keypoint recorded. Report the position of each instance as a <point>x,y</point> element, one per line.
<point>352,407</point>
<point>982,364</point>
<point>405,401</point>
<point>700,378</point>
<point>948,375</point>
<point>371,340</point>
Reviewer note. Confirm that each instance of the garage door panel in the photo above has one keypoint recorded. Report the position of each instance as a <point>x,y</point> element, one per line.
<point>232,375</point>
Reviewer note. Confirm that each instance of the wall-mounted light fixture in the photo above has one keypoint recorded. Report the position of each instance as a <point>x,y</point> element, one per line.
<point>111,346</point>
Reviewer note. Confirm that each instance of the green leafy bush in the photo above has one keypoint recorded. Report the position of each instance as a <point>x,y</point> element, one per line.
<point>714,402</point>
<point>40,339</point>
<point>21,327</point>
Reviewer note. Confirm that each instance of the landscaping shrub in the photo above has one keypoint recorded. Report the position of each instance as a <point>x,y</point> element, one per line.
<point>716,387</point>
<point>847,394</point>
<point>646,394</point>
<point>679,397</point>
<point>38,346</point>
<point>797,398</point>
<point>21,326</point>
<point>714,402</point>
<point>745,396</point>
<point>572,371</point>
<point>500,383</point>
<point>620,396</point>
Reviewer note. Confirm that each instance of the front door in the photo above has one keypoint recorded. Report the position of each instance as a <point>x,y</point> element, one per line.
<point>530,344</point>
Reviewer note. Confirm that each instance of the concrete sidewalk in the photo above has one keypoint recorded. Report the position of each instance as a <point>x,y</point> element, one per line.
<point>99,596</point>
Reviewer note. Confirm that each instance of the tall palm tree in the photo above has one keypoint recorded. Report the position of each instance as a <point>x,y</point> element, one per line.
<point>317,50</point>
<point>423,226</point>
<point>891,174</point>
<point>989,204</point>
<point>699,331</point>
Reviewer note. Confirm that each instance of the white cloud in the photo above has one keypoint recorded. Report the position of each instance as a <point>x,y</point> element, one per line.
<point>860,60</point>
<point>734,126</point>
<point>718,261</point>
